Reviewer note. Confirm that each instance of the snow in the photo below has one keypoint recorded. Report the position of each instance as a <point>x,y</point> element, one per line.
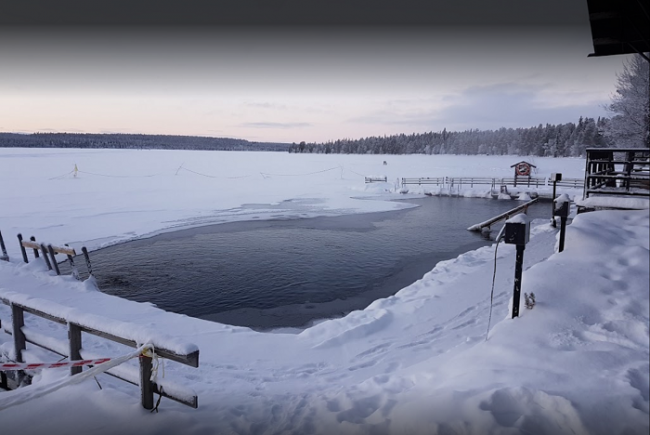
<point>614,202</point>
<point>520,218</point>
<point>416,362</point>
<point>561,199</point>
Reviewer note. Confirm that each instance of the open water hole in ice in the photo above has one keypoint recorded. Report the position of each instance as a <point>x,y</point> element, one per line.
<point>290,272</point>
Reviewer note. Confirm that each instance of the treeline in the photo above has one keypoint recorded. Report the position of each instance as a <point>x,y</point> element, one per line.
<point>134,141</point>
<point>561,140</point>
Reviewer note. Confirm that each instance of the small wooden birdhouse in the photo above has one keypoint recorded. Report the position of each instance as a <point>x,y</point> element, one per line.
<point>523,169</point>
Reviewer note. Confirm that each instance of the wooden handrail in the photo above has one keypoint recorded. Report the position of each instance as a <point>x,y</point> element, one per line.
<point>502,216</point>
<point>148,387</point>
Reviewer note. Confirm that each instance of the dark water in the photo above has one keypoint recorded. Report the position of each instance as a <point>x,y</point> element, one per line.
<point>287,273</point>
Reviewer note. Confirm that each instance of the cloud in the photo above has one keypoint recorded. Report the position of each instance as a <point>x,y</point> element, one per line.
<point>273,106</point>
<point>283,125</point>
<point>489,107</point>
<point>511,105</point>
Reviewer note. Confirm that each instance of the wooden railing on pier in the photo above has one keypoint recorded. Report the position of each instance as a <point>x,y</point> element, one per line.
<point>575,183</point>
<point>617,171</point>
<point>22,336</point>
<point>502,216</point>
<point>49,251</point>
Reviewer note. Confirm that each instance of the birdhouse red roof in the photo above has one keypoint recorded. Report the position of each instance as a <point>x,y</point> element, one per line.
<point>519,163</point>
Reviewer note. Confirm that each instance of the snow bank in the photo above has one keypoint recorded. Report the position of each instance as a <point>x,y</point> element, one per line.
<point>417,362</point>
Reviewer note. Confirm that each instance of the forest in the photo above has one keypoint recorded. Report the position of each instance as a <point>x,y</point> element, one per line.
<point>137,141</point>
<point>563,140</point>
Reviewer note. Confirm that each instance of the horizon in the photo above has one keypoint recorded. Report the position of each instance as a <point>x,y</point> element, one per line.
<point>261,141</point>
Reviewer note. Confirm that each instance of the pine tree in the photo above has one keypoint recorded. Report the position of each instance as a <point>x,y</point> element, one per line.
<point>630,123</point>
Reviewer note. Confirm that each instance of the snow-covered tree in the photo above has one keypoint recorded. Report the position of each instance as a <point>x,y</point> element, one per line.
<point>630,107</point>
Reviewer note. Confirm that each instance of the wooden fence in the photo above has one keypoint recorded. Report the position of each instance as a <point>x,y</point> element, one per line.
<point>575,183</point>
<point>22,336</point>
<point>617,171</point>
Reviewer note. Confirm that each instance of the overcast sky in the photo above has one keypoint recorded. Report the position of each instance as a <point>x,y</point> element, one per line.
<point>289,74</point>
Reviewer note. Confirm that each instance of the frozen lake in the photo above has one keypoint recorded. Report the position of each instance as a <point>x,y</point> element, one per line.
<point>289,272</point>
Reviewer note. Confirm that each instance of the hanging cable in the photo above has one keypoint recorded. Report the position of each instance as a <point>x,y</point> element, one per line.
<point>297,175</point>
<point>494,276</point>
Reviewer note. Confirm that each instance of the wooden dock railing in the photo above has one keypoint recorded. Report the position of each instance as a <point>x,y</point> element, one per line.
<point>575,183</point>
<point>502,216</point>
<point>617,171</point>
<point>23,335</point>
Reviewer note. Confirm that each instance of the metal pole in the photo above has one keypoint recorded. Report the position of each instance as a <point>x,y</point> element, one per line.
<point>518,271</point>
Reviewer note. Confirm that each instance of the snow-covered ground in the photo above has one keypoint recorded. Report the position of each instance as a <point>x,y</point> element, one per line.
<point>416,362</point>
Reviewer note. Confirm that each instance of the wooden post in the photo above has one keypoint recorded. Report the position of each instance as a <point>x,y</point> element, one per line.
<point>146,387</point>
<point>74,337</point>
<point>33,239</point>
<point>22,248</point>
<point>85,252</point>
<point>73,267</point>
<point>47,260</point>
<point>4,249</point>
<point>50,249</point>
<point>17,323</point>
<point>519,261</point>
<point>553,205</point>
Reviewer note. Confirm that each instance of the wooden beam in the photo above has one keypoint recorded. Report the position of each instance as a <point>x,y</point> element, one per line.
<point>506,215</point>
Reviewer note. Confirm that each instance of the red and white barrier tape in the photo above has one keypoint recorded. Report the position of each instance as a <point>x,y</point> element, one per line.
<point>32,366</point>
<point>22,395</point>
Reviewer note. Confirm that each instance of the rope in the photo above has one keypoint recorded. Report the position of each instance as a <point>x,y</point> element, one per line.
<point>26,394</point>
<point>297,175</point>
<point>61,176</point>
<point>209,176</point>
<point>120,176</point>
<point>34,366</point>
<point>355,172</point>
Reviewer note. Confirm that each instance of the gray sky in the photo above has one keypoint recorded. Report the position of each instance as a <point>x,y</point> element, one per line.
<point>517,66</point>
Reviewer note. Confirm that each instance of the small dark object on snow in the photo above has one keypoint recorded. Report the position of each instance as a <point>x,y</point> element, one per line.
<point>529,300</point>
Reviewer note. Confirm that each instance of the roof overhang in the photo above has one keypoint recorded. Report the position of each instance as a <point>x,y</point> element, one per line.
<point>619,27</point>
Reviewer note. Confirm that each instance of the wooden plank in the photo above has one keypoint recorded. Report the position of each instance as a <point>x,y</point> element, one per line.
<point>64,250</point>
<point>191,359</point>
<point>194,402</point>
<point>506,215</point>
<point>35,312</point>
<point>58,249</point>
<point>30,244</point>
